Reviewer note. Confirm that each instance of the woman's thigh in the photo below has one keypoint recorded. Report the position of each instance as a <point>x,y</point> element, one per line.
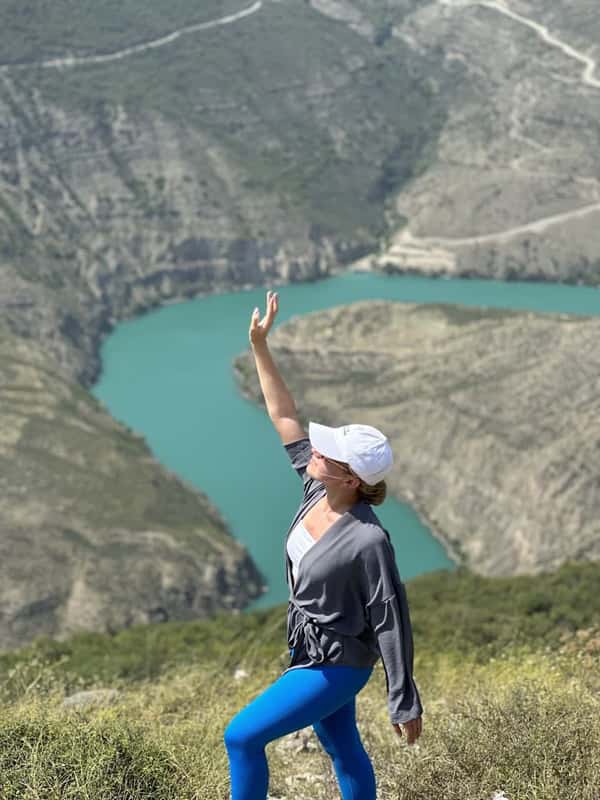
<point>295,700</point>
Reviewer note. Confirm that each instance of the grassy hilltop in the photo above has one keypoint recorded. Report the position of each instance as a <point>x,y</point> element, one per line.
<point>507,669</point>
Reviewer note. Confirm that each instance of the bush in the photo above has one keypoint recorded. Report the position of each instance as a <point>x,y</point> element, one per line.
<point>43,755</point>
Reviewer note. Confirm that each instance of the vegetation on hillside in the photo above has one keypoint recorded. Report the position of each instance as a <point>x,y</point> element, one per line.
<point>508,671</point>
<point>34,31</point>
<point>325,119</point>
<point>454,613</point>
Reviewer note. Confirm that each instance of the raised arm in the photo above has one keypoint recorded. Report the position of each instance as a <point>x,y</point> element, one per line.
<point>280,403</point>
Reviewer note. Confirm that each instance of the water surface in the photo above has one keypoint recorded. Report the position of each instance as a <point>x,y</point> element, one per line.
<point>168,375</point>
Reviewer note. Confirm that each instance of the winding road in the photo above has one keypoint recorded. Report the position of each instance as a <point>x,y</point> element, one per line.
<point>537,226</point>
<point>431,251</point>
<point>77,61</point>
<point>590,64</point>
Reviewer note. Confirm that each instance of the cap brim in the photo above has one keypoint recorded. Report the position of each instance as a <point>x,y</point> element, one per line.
<point>322,438</point>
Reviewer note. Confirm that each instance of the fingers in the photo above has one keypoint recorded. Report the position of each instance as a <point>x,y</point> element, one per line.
<point>412,729</point>
<point>259,328</point>
<point>267,320</point>
<point>272,301</point>
<point>272,304</point>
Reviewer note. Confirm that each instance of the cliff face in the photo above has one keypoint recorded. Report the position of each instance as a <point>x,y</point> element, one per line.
<point>208,160</point>
<point>492,417</point>
<point>95,533</point>
<point>116,215</point>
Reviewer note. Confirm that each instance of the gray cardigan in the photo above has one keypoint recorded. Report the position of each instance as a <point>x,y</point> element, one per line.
<point>349,604</point>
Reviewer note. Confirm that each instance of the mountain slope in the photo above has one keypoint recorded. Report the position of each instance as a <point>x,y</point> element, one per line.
<point>94,533</point>
<point>492,416</point>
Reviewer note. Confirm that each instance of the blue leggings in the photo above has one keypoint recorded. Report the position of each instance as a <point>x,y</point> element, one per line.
<point>324,697</point>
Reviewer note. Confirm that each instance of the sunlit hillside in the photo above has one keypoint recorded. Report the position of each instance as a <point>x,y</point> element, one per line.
<point>508,670</point>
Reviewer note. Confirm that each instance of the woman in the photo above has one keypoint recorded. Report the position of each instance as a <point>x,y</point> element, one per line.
<point>347,604</point>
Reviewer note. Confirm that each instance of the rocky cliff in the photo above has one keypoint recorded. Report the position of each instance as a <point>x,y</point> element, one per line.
<point>94,533</point>
<point>492,417</point>
<point>206,160</point>
<point>157,154</point>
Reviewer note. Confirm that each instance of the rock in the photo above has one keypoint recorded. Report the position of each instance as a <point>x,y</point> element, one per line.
<point>95,697</point>
<point>301,741</point>
<point>302,779</point>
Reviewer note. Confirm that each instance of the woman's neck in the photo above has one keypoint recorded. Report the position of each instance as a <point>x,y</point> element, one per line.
<point>338,502</point>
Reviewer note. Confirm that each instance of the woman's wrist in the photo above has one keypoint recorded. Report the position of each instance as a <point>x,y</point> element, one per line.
<point>259,346</point>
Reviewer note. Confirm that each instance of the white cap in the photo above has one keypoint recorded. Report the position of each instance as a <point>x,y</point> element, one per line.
<point>365,449</point>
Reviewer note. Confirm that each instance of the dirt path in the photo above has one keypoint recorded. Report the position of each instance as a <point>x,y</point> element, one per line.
<point>436,252</point>
<point>76,61</point>
<point>590,64</point>
<point>538,226</point>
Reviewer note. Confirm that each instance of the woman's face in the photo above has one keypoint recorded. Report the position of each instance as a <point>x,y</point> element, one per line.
<point>326,469</point>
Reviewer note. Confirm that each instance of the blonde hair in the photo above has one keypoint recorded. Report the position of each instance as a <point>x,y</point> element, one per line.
<point>374,495</point>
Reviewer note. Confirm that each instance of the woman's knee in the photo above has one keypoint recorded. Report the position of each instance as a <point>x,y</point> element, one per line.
<point>242,732</point>
<point>235,734</point>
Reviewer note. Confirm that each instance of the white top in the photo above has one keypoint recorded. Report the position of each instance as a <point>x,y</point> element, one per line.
<point>300,541</point>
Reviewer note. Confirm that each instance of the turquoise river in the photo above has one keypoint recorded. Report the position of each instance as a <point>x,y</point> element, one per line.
<point>168,375</point>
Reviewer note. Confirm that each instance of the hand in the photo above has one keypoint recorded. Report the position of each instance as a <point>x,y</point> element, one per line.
<point>412,728</point>
<point>259,329</point>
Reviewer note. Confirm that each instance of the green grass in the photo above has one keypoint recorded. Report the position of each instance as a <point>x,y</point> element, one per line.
<point>524,724</point>
<point>453,613</point>
<point>521,718</point>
